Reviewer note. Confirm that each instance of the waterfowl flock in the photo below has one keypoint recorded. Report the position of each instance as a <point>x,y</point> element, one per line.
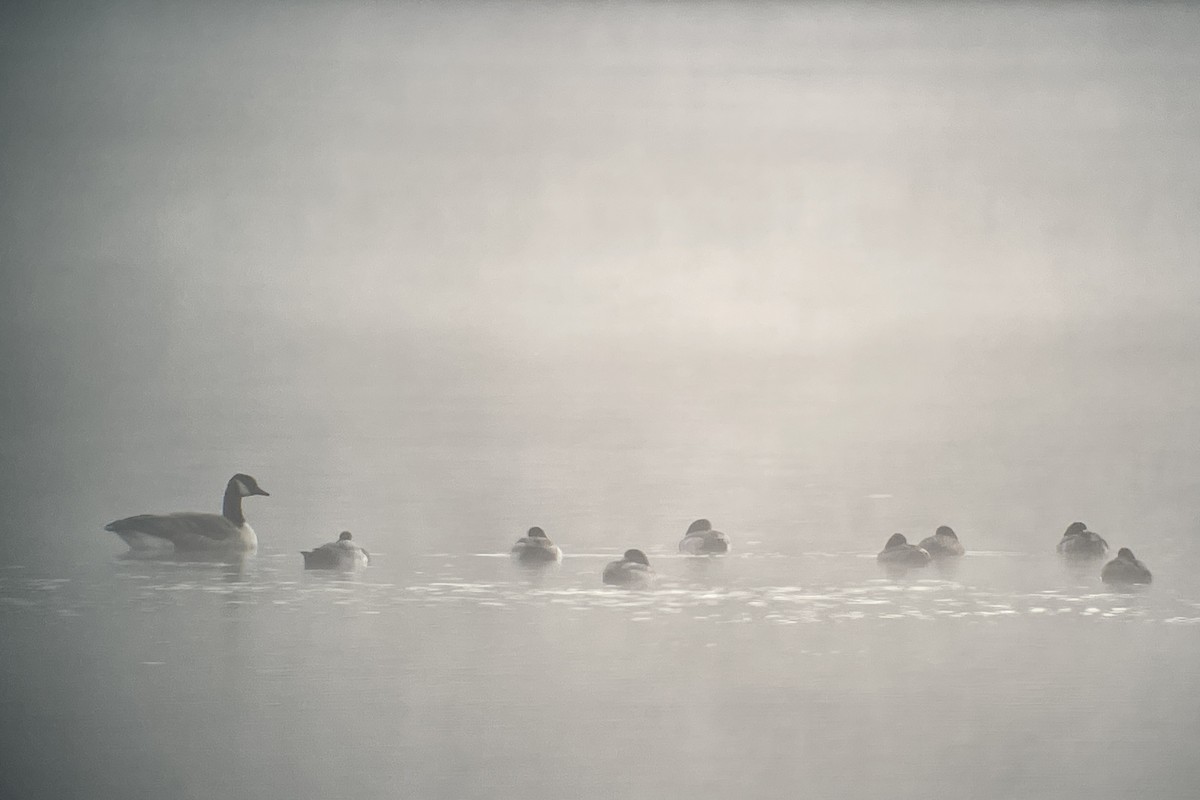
<point>228,533</point>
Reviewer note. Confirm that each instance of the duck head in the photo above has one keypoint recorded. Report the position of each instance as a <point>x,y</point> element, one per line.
<point>699,526</point>
<point>897,540</point>
<point>537,533</point>
<point>1125,554</point>
<point>636,556</point>
<point>1075,529</point>
<point>345,536</point>
<point>945,530</point>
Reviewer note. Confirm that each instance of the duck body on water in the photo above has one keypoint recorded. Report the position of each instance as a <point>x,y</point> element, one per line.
<point>344,554</point>
<point>943,544</point>
<point>701,540</point>
<point>1125,569</point>
<point>535,549</point>
<point>196,532</point>
<point>1080,544</point>
<point>898,553</point>
<point>633,571</point>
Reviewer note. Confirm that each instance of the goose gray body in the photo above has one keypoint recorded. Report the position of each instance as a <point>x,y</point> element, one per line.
<point>536,548</point>
<point>899,553</point>
<point>195,531</point>
<point>1079,543</point>
<point>632,571</point>
<point>343,554</point>
<point>1125,568</point>
<point>943,544</point>
<point>702,540</point>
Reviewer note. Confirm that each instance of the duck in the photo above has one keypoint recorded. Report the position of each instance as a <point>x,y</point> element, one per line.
<point>702,540</point>
<point>943,544</point>
<point>899,553</point>
<point>342,554</point>
<point>1125,568</point>
<point>1079,543</point>
<point>195,531</point>
<point>535,547</point>
<point>633,570</point>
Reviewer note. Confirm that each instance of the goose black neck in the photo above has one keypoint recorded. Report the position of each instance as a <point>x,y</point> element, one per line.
<point>232,507</point>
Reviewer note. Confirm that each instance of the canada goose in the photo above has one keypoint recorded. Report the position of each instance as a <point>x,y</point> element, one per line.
<point>1080,543</point>
<point>702,540</point>
<point>194,531</point>
<point>899,553</point>
<point>632,570</point>
<point>1125,569</point>
<point>943,544</point>
<point>342,554</point>
<point>536,548</point>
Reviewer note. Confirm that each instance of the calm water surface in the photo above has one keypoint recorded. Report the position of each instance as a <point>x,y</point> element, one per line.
<point>460,675</point>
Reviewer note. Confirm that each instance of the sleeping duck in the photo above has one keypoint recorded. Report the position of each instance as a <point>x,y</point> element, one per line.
<point>702,540</point>
<point>535,548</point>
<point>194,531</point>
<point>898,553</point>
<point>1125,569</point>
<point>342,554</point>
<point>1080,543</point>
<point>943,544</point>
<point>633,570</point>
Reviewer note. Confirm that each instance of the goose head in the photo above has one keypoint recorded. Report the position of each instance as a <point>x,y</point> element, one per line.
<point>246,486</point>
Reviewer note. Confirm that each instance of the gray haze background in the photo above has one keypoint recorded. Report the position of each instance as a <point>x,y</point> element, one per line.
<point>438,272</point>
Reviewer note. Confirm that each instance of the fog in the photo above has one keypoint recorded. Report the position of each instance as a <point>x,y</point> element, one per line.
<point>438,272</point>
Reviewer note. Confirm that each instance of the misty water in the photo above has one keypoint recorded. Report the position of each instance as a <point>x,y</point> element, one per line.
<point>438,273</point>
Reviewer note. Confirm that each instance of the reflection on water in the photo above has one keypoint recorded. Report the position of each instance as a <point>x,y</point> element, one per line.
<point>437,678</point>
<point>743,588</point>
